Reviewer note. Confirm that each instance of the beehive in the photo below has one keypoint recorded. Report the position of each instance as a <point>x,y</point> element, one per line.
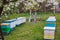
<point>12,23</point>
<point>49,32</point>
<point>20,20</point>
<point>51,21</point>
<point>5,28</point>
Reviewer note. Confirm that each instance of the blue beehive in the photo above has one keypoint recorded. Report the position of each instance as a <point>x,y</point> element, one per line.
<point>51,22</point>
<point>12,23</point>
<point>5,28</point>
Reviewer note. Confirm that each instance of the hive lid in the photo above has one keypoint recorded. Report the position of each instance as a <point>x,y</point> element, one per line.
<point>10,20</point>
<point>4,24</point>
<point>51,18</point>
<point>20,17</point>
<point>51,28</point>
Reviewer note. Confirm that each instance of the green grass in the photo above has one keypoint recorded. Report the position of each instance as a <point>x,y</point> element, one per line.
<point>27,31</point>
<point>32,31</point>
<point>57,37</point>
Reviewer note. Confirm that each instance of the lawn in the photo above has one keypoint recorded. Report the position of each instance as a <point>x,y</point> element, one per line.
<point>32,31</point>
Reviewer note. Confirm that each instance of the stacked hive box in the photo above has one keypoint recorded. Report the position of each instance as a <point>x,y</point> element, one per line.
<point>49,33</point>
<point>20,20</point>
<point>9,25</point>
<point>51,22</point>
<point>15,22</point>
<point>49,29</point>
<point>12,23</point>
<point>5,28</point>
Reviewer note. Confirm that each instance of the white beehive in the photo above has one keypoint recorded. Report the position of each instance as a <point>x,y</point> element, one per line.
<point>20,20</point>
<point>51,18</point>
<point>49,32</point>
<point>12,23</point>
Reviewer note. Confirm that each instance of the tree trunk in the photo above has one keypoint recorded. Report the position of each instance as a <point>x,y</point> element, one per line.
<point>1,9</point>
<point>35,16</point>
<point>54,11</point>
<point>1,34</point>
<point>30,16</point>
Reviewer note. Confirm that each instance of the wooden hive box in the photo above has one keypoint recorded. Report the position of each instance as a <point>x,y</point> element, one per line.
<point>49,32</point>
